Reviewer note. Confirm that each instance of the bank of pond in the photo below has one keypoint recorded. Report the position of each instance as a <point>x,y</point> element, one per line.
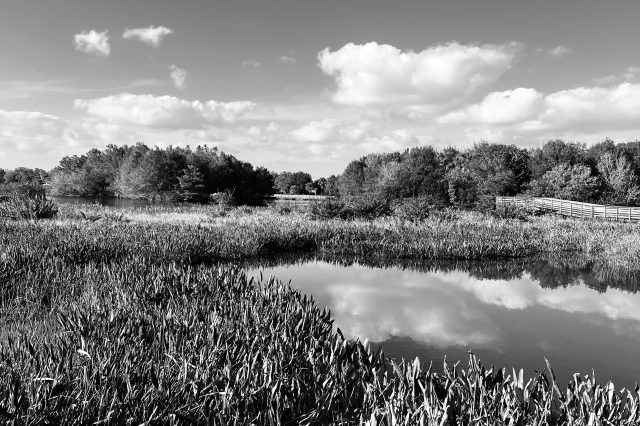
<point>147,318</point>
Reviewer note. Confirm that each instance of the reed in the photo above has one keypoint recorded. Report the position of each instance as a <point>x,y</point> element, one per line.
<point>126,320</point>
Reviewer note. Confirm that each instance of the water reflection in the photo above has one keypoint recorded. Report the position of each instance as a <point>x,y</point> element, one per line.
<point>510,313</point>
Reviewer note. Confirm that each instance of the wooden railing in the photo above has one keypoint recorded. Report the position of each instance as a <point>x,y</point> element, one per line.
<point>574,208</point>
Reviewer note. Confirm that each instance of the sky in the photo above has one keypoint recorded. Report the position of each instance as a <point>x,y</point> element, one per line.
<point>312,85</point>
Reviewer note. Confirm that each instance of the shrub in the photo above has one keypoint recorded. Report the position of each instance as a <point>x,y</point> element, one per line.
<point>367,207</point>
<point>512,211</point>
<point>18,207</point>
<point>413,209</point>
<point>329,208</point>
<point>223,199</point>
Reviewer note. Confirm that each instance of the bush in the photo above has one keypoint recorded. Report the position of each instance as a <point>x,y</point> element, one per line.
<point>329,208</point>
<point>18,207</point>
<point>223,199</point>
<point>512,211</point>
<point>367,207</point>
<point>413,209</point>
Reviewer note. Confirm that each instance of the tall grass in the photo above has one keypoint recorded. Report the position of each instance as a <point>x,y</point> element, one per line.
<point>134,321</point>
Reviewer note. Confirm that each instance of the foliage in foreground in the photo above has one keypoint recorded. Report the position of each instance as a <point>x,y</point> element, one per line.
<point>136,342</point>
<point>17,206</point>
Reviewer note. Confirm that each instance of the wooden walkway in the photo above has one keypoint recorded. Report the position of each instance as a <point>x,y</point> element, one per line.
<point>574,208</point>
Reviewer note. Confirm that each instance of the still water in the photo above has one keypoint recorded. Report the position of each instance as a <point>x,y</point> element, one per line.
<point>511,315</point>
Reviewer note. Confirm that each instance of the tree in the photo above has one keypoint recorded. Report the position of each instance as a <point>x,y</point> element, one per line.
<point>554,153</point>
<point>332,187</point>
<point>621,183</point>
<point>568,182</point>
<point>485,171</point>
<point>191,183</point>
<point>285,180</point>
<point>352,180</point>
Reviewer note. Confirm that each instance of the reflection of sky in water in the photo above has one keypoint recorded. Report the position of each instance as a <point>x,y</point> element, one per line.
<point>517,322</point>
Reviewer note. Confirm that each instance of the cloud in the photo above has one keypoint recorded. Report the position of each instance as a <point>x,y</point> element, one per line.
<point>36,139</point>
<point>163,111</point>
<point>178,76</point>
<point>398,140</point>
<point>592,108</point>
<point>93,42</point>
<point>287,59</point>
<point>508,107</point>
<point>151,35</point>
<point>380,74</point>
<point>559,51</point>
<point>251,63</point>
<point>630,74</point>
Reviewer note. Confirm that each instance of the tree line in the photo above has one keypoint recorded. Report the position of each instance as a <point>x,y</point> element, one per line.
<point>173,173</point>
<point>605,173</point>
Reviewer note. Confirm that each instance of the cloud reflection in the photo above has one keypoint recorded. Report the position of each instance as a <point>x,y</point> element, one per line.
<point>447,309</point>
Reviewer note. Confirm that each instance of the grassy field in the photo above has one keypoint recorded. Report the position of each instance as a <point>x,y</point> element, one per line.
<point>138,317</point>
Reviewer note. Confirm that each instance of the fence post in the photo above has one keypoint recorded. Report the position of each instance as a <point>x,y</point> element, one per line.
<point>617,211</point>
<point>571,208</point>
<point>591,211</point>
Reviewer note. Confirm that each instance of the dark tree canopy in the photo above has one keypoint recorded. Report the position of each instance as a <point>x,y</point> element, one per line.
<point>138,171</point>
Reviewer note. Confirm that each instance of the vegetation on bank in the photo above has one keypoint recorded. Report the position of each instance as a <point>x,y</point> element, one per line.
<point>605,173</point>
<point>116,317</point>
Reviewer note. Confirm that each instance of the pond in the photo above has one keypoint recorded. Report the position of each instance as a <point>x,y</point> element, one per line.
<point>511,314</point>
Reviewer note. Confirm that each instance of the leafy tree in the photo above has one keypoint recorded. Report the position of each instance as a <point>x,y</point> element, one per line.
<point>332,187</point>
<point>487,170</point>
<point>620,181</point>
<point>352,180</point>
<point>24,175</point>
<point>568,182</point>
<point>285,180</point>
<point>554,153</point>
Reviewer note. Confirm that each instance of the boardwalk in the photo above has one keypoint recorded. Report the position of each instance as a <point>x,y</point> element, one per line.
<point>574,208</point>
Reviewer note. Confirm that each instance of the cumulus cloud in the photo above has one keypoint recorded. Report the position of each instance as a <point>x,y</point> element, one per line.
<point>178,76</point>
<point>40,140</point>
<point>508,107</point>
<point>592,109</point>
<point>559,51</point>
<point>163,111</point>
<point>380,74</point>
<point>94,42</point>
<point>150,35</point>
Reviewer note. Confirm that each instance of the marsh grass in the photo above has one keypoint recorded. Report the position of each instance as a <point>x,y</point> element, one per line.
<point>136,322</point>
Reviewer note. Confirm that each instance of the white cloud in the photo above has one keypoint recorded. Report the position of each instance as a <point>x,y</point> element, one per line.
<point>375,74</point>
<point>163,111</point>
<point>288,59</point>
<point>630,74</point>
<point>178,76</point>
<point>150,35</point>
<point>398,140</point>
<point>251,63</point>
<point>559,51</point>
<point>93,42</point>
<point>36,139</point>
<point>592,109</point>
<point>317,131</point>
<point>508,107</point>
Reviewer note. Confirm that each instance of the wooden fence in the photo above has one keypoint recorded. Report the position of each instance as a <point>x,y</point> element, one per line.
<point>574,208</point>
